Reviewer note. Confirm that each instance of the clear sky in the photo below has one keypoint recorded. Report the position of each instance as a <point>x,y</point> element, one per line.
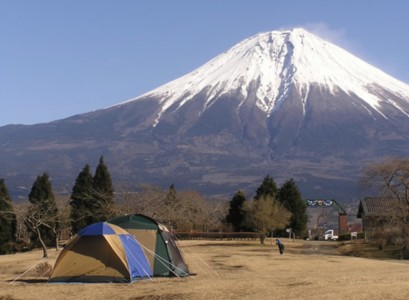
<point>59,58</point>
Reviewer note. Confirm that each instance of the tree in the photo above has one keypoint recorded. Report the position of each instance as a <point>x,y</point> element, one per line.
<point>236,214</point>
<point>8,220</point>
<point>189,212</point>
<point>180,210</point>
<point>171,198</point>
<point>171,204</point>
<point>215,212</point>
<point>266,214</point>
<point>391,177</point>
<point>64,219</point>
<point>170,210</point>
<point>42,215</point>
<point>290,196</point>
<point>267,188</point>
<point>81,200</point>
<point>103,193</point>
<point>321,223</point>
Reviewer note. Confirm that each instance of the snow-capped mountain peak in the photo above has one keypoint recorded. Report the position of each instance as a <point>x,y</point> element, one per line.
<point>285,102</point>
<point>275,61</point>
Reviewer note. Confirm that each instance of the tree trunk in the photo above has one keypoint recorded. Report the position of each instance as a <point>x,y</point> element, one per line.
<point>45,254</point>
<point>401,251</point>
<point>262,237</point>
<point>57,239</point>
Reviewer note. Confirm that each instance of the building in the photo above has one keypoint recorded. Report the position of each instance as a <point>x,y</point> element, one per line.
<point>374,211</point>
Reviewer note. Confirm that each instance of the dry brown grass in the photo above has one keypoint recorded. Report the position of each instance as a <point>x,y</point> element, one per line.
<point>231,270</point>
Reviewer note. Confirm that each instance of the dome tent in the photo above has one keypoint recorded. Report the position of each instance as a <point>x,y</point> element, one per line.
<point>101,252</point>
<point>158,243</point>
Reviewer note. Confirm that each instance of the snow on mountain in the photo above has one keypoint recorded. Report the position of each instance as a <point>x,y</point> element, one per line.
<point>276,61</point>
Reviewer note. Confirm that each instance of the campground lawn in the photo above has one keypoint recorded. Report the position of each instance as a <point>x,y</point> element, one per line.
<point>228,270</point>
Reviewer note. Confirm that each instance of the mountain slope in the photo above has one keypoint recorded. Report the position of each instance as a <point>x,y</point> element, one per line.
<point>284,103</point>
<point>274,62</point>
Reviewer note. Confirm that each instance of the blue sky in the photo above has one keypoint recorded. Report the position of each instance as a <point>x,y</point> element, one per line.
<point>61,58</point>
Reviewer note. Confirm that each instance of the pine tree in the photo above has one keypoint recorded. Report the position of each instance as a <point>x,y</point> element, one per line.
<point>236,214</point>
<point>290,196</point>
<point>267,188</point>
<point>171,197</point>
<point>42,215</point>
<point>170,209</point>
<point>103,193</point>
<point>81,200</point>
<point>8,223</point>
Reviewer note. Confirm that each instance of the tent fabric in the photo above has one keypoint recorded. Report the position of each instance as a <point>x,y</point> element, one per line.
<point>101,228</point>
<point>158,243</point>
<point>101,252</point>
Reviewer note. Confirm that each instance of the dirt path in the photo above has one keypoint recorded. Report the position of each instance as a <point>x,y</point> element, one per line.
<point>320,248</point>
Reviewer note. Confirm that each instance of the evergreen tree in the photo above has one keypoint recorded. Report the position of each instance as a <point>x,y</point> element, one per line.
<point>42,215</point>
<point>171,197</point>
<point>236,214</point>
<point>267,188</point>
<point>8,221</point>
<point>290,196</point>
<point>171,210</point>
<point>81,200</point>
<point>103,193</point>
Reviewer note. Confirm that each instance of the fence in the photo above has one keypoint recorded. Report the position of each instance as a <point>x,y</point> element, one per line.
<point>217,235</point>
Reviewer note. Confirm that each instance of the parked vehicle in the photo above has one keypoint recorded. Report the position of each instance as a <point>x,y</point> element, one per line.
<point>329,235</point>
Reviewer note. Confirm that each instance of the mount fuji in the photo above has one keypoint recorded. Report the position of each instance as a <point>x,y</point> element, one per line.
<point>285,103</point>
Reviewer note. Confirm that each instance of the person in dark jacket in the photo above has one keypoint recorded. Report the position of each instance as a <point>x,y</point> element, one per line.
<point>280,246</point>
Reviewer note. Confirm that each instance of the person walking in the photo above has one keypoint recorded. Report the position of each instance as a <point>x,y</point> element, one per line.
<point>280,246</point>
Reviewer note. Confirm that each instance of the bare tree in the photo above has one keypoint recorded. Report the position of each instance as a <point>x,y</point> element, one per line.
<point>266,213</point>
<point>38,217</point>
<point>21,233</point>
<point>64,210</point>
<point>179,210</point>
<point>215,212</point>
<point>390,176</point>
<point>322,223</point>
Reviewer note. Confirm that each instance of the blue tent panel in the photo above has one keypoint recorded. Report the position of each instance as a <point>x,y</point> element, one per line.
<point>97,229</point>
<point>137,263</point>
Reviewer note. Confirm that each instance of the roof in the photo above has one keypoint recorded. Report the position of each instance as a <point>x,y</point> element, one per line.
<point>377,206</point>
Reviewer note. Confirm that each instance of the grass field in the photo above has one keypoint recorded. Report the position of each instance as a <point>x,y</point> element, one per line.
<point>229,270</point>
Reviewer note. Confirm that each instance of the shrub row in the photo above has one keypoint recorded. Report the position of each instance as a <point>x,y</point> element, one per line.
<point>347,236</point>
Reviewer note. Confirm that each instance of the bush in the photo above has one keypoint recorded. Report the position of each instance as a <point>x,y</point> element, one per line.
<point>344,237</point>
<point>44,269</point>
<point>21,246</point>
<point>7,248</point>
<point>347,236</point>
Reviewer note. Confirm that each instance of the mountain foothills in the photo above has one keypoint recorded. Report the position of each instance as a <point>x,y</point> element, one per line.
<point>284,103</point>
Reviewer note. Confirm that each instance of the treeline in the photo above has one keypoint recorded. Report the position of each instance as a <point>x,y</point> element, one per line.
<point>272,210</point>
<point>43,221</point>
<point>47,219</point>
